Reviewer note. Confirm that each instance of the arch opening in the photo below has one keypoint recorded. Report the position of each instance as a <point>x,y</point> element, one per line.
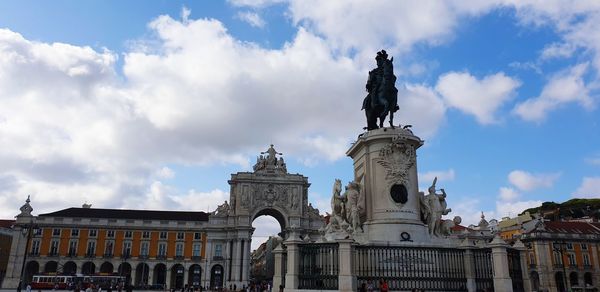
<point>269,229</point>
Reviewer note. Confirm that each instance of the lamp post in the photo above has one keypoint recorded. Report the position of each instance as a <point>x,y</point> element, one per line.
<point>559,246</point>
<point>29,233</point>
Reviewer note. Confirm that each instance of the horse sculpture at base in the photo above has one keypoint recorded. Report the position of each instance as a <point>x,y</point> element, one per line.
<point>383,94</point>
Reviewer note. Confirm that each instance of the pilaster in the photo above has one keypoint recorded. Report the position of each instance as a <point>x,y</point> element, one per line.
<point>278,269</point>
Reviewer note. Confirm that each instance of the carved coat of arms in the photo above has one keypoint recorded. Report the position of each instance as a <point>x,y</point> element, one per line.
<point>397,158</point>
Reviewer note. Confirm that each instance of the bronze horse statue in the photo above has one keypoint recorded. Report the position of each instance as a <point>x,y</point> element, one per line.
<point>383,94</point>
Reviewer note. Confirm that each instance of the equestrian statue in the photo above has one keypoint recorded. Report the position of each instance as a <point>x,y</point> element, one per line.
<point>382,97</point>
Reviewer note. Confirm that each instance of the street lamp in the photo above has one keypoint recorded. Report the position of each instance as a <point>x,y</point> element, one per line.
<point>29,232</point>
<point>560,246</point>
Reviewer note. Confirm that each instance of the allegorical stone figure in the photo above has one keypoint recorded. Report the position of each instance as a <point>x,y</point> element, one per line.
<point>437,208</point>
<point>354,206</point>
<point>382,97</point>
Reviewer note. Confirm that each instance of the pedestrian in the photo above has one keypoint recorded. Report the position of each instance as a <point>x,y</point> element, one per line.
<point>383,286</point>
<point>28,288</point>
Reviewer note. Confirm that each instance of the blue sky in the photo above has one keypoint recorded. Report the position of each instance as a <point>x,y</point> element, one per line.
<point>153,104</point>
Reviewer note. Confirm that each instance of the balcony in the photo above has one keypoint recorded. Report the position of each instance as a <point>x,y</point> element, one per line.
<point>52,254</point>
<point>161,257</point>
<point>34,254</point>
<point>179,257</point>
<point>108,255</point>
<point>72,254</point>
<point>558,266</point>
<point>196,258</point>
<point>588,267</point>
<point>143,257</point>
<point>217,258</point>
<point>90,255</point>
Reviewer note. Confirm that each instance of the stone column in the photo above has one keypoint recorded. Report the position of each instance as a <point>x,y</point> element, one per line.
<point>150,275</point>
<point>346,280</point>
<point>235,266</point>
<point>469,262</point>
<point>246,262</point>
<point>523,257</point>
<point>168,278</point>
<point>293,260</point>
<point>186,272</point>
<point>502,280</point>
<point>278,269</point>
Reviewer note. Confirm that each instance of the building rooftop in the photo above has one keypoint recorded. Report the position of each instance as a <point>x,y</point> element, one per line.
<point>128,214</point>
<point>6,223</point>
<point>570,227</point>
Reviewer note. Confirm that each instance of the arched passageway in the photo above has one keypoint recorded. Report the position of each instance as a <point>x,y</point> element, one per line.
<point>106,267</point>
<point>177,276</point>
<point>216,277</point>
<point>142,271</point>
<point>195,276</point>
<point>159,275</point>
<point>88,268</point>
<point>70,268</point>
<point>51,267</point>
<point>31,269</point>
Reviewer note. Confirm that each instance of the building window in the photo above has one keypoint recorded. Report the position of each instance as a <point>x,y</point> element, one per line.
<point>569,246</point>
<point>74,232</point>
<point>108,250</point>
<point>146,234</point>
<point>557,258</point>
<point>91,248</point>
<point>162,249</point>
<point>53,248</point>
<point>144,248</point>
<point>126,248</point>
<point>128,234</point>
<point>197,235</point>
<point>179,250</point>
<point>180,235</point>
<point>586,259</point>
<point>37,231</point>
<point>93,233</point>
<point>572,261</point>
<point>163,235</point>
<point>56,232</point>
<point>218,250</point>
<point>72,248</point>
<point>196,250</point>
<point>35,247</point>
<point>110,233</point>
<point>583,246</point>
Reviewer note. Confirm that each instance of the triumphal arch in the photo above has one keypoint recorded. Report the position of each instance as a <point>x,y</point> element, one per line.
<point>268,190</point>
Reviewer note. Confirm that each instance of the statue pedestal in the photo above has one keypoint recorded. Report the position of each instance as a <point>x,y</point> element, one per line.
<point>385,164</point>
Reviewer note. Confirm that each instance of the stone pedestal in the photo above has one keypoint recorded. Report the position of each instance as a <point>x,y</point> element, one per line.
<point>502,280</point>
<point>293,259</point>
<point>385,165</point>
<point>346,279</point>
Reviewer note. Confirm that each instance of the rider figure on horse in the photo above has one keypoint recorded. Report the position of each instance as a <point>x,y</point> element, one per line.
<point>383,95</point>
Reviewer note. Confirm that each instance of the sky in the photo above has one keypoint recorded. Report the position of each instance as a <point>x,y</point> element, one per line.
<point>154,104</point>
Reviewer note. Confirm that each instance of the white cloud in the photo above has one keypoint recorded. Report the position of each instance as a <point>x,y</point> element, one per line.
<point>165,172</point>
<point>251,18</point>
<point>508,194</point>
<point>589,188</point>
<point>564,87</point>
<point>592,160</point>
<point>442,175</point>
<point>265,226</point>
<point>254,3</point>
<point>527,181</point>
<point>558,50</point>
<point>481,98</point>
<point>512,209</point>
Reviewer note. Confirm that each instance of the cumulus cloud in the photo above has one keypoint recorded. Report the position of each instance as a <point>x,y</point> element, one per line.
<point>589,188</point>
<point>527,181</point>
<point>481,98</point>
<point>508,194</point>
<point>564,87</point>
<point>251,18</point>
<point>592,160</point>
<point>442,175</point>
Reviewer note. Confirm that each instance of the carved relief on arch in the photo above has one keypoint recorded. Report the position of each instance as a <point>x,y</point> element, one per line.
<point>269,194</point>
